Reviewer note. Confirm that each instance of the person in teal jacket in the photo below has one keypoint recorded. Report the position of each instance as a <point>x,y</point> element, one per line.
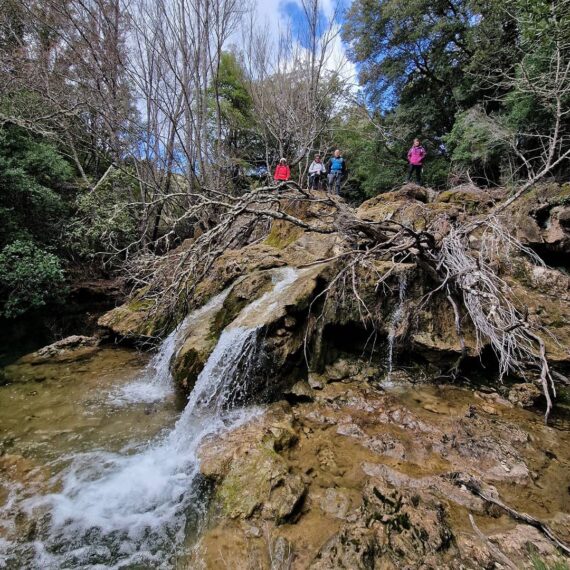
<point>337,169</point>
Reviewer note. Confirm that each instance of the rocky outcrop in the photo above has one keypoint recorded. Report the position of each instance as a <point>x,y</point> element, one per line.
<point>360,477</point>
<point>541,219</point>
<point>404,308</point>
<point>251,474</point>
<point>133,321</point>
<point>69,349</point>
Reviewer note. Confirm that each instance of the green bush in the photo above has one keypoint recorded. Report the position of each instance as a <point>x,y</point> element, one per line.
<point>106,219</point>
<point>30,277</point>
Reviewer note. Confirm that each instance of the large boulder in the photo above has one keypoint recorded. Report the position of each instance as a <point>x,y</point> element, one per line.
<point>69,349</point>
<point>541,219</point>
<point>250,473</point>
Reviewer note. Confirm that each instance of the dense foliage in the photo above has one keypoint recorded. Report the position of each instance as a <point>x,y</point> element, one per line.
<point>475,79</point>
<point>120,134</point>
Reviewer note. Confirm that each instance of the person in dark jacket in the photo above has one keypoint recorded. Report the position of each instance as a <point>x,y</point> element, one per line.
<point>337,169</point>
<point>416,157</point>
<point>282,171</point>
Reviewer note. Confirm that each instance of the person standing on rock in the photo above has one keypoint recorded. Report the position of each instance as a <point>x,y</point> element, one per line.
<point>416,157</point>
<point>316,172</point>
<point>282,172</point>
<point>337,170</point>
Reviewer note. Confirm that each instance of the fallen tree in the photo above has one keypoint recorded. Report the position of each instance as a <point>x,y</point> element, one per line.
<point>461,256</point>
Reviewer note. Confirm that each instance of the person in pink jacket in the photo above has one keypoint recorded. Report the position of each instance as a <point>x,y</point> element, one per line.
<point>416,157</point>
<point>282,172</point>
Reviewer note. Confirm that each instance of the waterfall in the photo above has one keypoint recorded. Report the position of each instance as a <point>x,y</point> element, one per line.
<point>155,383</point>
<point>116,510</point>
<point>395,321</point>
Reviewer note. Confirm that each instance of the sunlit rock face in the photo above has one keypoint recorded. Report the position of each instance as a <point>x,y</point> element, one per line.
<point>366,477</point>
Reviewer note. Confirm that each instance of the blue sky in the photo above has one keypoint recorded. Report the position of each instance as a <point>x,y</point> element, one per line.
<point>277,12</point>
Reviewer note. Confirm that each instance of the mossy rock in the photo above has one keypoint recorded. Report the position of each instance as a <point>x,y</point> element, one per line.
<point>473,200</point>
<point>134,320</point>
<point>242,294</point>
<point>282,234</point>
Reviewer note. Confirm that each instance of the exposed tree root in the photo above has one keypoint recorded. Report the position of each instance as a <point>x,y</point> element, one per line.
<point>462,265</point>
<point>462,480</point>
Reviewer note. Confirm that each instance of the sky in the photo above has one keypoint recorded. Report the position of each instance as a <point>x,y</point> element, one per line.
<point>277,13</point>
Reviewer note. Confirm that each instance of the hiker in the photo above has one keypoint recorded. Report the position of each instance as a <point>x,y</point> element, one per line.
<point>337,170</point>
<point>282,171</point>
<point>416,157</point>
<point>317,171</point>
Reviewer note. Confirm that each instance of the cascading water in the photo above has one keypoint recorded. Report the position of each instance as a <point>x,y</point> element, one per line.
<point>117,510</point>
<point>155,383</point>
<point>397,316</point>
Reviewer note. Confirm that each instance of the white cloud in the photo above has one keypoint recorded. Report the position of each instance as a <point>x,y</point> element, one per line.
<point>270,16</point>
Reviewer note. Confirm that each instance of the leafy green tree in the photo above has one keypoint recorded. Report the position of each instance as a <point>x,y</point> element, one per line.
<point>524,133</point>
<point>411,54</point>
<point>238,136</point>
<point>429,67</point>
<point>33,176</point>
<point>30,277</point>
<point>105,220</point>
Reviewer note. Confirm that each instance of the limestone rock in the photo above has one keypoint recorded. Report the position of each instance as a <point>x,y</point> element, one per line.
<point>467,196</point>
<point>525,395</point>
<point>541,218</point>
<point>281,554</point>
<point>251,474</point>
<point>72,348</point>
<point>335,503</point>
<point>300,392</point>
<point>393,528</point>
<point>132,320</point>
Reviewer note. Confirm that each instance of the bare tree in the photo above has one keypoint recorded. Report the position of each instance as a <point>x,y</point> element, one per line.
<point>296,84</point>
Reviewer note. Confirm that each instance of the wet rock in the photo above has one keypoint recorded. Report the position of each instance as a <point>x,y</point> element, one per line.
<point>251,475</point>
<point>494,398</point>
<point>315,381</point>
<point>69,349</point>
<point>560,523</point>
<point>519,541</point>
<point>467,196</point>
<point>281,554</point>
<point>335,503</point>
<point>435,335</point>
<point>260,481</point>
<point>253,531</point>
<point>133,320</point>
<point>387,446</point>
<point>300,392</point>
<point>524,395</point>
<point>342,369</point>
<point>350,429</point>
<point>393,528</point>
<point>285,499</point>
<point>438,485</point>
<point>540,219</point>
<point>353,547</point>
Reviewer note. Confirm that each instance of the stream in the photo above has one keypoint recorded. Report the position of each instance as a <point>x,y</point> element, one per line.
<point>100,467</point>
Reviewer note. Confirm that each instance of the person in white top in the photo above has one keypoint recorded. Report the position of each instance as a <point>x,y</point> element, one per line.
<point>317,172</point>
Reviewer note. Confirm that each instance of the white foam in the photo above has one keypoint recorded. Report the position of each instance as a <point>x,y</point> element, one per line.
<point>119,509</point>
<point>155,383</point>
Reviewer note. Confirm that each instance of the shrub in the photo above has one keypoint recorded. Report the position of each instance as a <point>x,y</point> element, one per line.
<point>30,277</point>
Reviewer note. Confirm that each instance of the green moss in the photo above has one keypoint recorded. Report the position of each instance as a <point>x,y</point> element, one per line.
<point>231,308</point>
<point>243,294</point>
<point>249,482</point>
<point>187,369</point>
<point>283,234</point>
<point>139,304</point>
